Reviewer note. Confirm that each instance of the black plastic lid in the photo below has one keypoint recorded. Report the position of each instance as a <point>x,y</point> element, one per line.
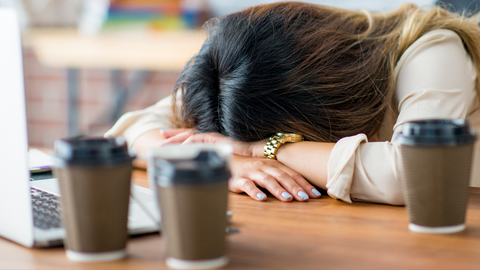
<point>206,168</point>
<point>91,151</point>
<point>436,132</point>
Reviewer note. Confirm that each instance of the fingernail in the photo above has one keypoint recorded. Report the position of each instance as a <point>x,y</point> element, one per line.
<point>286,195</point>
<point>303,195</point>
<point>164,129</point>
<point>260,196</point>
<point>316,192</point>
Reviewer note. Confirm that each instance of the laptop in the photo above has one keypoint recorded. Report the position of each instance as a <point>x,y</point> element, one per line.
<point>39,161</point>
<point>29,209</point>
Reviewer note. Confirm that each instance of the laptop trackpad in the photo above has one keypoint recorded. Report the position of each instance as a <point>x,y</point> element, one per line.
<point>49,185</point>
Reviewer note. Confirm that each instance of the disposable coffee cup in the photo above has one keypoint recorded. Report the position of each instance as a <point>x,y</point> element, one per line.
<point>191,183</point>
<point>437,160</point>
<point>94,176</point>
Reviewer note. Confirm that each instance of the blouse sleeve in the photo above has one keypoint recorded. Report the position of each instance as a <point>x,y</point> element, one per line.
<point>435,79</point>
<point>132,125</point>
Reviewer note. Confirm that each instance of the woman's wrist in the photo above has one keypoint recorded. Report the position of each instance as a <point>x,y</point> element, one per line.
<point>146,141</point>
<point>256,148</point>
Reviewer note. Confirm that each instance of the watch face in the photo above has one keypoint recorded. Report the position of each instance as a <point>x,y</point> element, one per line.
<point>290,137</point>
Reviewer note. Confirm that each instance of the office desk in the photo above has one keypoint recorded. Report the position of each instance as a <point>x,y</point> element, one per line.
<point>319,234</point>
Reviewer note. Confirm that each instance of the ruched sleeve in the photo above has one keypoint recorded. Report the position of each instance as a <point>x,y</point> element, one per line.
<point>435,78</point>
<point>133,124</point>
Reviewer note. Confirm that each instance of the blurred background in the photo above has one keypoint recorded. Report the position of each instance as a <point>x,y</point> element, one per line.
<point>86,62</point>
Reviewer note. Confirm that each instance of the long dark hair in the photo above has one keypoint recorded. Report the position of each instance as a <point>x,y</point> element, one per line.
<point>294,67</point>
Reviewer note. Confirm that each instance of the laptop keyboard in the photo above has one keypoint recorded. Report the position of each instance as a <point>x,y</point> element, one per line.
<point>46,209</point>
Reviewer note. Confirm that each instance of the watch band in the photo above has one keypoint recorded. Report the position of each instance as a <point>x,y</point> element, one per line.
<point>274,142</point>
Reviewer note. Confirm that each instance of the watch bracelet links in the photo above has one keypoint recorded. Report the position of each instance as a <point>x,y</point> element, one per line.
<point>274,142</point>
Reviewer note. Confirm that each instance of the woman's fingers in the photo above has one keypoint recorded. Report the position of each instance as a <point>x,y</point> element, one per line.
<point>287,182</point>
<point>179,138</point>
<point>294,182</point>
<point>281,181</point>
<point>208,138</point>
<point>167,133</point>
<point>311,190</point>
<point>271,184</point>
<point>245,185</point>
<point>239,148</point>
<point>247,175</point>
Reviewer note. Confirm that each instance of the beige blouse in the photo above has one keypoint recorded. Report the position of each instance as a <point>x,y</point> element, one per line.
<point>435,79</point>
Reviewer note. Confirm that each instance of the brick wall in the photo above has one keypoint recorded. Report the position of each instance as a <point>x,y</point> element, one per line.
<point>47,107</point>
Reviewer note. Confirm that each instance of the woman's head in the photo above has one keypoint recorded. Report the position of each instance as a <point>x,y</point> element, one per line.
<point>294,67</point>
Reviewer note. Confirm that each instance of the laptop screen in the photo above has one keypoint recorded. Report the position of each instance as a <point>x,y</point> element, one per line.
<point>15,201</point>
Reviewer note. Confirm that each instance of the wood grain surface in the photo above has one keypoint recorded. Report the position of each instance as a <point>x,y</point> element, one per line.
<point>319,234</point>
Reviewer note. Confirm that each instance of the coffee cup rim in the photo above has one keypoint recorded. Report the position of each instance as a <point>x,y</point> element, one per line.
<point>189,151</point>
<point>436,132</point>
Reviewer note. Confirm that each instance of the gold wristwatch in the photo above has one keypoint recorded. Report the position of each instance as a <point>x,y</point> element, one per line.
<point>274,142</point>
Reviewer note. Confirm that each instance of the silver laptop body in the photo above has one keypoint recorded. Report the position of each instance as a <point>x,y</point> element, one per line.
<point>16,214</point>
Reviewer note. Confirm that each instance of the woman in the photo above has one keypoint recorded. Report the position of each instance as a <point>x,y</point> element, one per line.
<point>345,80</point>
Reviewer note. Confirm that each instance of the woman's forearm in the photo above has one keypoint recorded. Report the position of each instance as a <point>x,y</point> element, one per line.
<point>307,158</point>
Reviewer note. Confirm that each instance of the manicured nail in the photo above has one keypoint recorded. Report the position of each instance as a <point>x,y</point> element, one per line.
<point>164,129</point>
<point>303,195</point>
<point>286,195</point>
<point>260,196</point>
<point>316,192</point>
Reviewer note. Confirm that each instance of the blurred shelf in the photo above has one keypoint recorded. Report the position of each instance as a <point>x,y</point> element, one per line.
<point>142,52</point>
<point>159,51</point>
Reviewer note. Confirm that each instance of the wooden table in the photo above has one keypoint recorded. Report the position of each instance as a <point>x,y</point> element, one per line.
<point>319,234</point>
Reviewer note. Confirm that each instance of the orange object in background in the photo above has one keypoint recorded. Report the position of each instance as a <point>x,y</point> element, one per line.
<point>156,15</point>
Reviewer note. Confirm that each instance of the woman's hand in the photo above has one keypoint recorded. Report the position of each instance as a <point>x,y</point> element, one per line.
<point>254,149</point>
<point>176,135</point>
<point>281,181</point>
<point>250,168</point>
